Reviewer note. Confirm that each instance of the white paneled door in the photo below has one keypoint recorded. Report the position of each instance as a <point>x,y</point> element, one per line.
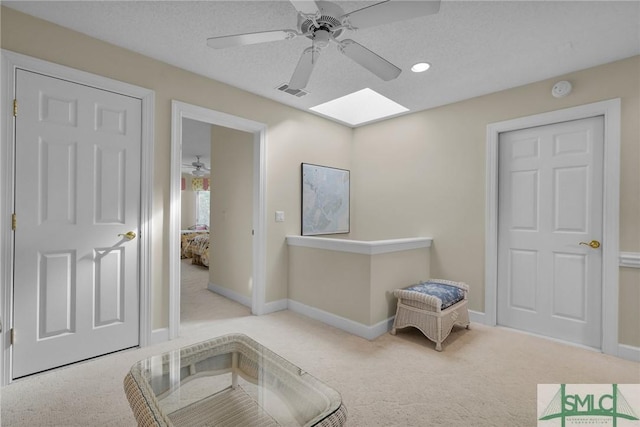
<point>77,194</point>
<point>550,228</point>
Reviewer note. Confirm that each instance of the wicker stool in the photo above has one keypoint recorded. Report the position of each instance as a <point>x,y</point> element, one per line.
<point>433,307</point>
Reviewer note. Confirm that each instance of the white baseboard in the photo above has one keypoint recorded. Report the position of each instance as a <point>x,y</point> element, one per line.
<point>477,317</point>
<point>159,335</point>
<point>270,307</point>
<point>228,293</point>
<point>348,325</point>
<point>367,332</point>
<point>273,306</point>
<point>629,352</point>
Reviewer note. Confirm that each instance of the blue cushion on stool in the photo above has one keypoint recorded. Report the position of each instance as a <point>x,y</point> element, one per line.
<point>448,294</point>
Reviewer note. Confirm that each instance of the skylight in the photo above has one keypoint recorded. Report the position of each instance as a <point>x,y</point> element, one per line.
<point>360,107</point>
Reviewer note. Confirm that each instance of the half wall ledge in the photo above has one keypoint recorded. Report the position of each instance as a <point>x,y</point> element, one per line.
<point>365,247</point>
<point>351,282</point>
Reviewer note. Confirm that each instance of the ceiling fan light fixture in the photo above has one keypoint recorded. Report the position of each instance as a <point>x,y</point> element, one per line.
<point>321,38</point>
<point>420,67</point>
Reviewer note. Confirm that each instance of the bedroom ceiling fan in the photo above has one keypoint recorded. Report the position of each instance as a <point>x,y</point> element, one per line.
<point>199,168</point>
<point>324,23</point>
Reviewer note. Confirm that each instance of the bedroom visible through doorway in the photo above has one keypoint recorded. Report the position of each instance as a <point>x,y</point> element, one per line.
<point>195,191</point>
<point>216,202</point>
<point>230,177</point>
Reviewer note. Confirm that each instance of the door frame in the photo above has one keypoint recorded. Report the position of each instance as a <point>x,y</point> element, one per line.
<point>10,63</point>
<point>610,110</point>
<point>180,110</point>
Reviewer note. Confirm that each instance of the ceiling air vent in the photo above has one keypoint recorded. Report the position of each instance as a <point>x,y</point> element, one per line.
<point>284,87</point>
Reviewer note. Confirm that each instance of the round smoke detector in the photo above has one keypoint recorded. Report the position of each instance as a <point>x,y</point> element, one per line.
<point>561,89</point>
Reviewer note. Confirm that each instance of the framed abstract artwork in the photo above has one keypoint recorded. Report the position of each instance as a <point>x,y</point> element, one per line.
<point>325,200</point>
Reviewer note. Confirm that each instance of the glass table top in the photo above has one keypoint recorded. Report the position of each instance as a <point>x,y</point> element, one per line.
<point>233,380</point>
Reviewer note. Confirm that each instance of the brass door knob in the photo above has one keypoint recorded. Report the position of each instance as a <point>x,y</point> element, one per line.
<point>594,244</point>
<point>129,235</point>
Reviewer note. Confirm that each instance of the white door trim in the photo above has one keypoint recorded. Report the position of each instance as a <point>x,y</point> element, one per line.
<point>10,61</point>
<point>610,109</point>
<point>180,110</point>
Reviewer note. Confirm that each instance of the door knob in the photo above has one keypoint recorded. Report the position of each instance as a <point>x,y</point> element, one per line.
<point>594,244</point>
<point>129,235</point>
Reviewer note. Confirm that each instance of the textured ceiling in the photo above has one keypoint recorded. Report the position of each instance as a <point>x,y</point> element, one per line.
<point>475,47</point>
<point>196,144</point>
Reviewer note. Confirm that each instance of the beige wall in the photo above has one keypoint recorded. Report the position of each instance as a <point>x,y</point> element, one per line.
<point>308,142</point>
<point>292,136</point>
<point>629,302</point>
<point>424,175</point>
<point>333,281</point>
<point>355,286</point>
<point>230,251</point>
<point>391,271</point>
<point>416,175</point>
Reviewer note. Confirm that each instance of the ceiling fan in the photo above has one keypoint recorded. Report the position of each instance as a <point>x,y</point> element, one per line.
<point>199,168</point>
<point>324,22</point>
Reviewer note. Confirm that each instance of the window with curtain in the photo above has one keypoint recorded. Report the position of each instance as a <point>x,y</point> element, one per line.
<point>202,207</point>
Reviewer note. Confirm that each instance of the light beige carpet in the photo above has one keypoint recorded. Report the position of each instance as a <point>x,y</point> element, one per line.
<point>484,377</point>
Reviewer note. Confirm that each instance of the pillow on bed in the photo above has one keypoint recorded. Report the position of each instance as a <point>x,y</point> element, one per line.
<point>199,227</point>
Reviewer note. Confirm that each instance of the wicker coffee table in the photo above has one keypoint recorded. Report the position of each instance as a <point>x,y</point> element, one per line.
<point>229,381</point>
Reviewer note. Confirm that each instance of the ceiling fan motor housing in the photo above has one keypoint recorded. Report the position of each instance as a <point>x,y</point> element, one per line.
<point>328,20</point>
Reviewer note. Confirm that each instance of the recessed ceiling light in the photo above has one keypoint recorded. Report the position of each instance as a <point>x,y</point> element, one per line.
<point>360,107</point>
<point>420,67</point>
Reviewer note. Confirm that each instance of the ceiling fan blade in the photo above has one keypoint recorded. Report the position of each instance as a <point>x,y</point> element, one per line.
<point>303,70</point>
<point>308,7</point>
<point>369,60</point>
<point>250,38</point>
<point>390,11</point>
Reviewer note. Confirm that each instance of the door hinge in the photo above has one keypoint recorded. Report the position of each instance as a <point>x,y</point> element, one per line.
<point>14,222</point>
<point>15,108</point>
<point>12,333</point>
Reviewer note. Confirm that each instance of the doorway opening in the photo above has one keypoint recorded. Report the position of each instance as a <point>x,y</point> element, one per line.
<point>219,122</point>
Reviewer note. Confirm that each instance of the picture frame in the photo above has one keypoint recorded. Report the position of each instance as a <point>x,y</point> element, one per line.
<point>325,200</point>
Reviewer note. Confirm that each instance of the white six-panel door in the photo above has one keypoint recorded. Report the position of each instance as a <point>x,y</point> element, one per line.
<point>76,290</point>
<point>550,207</point>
